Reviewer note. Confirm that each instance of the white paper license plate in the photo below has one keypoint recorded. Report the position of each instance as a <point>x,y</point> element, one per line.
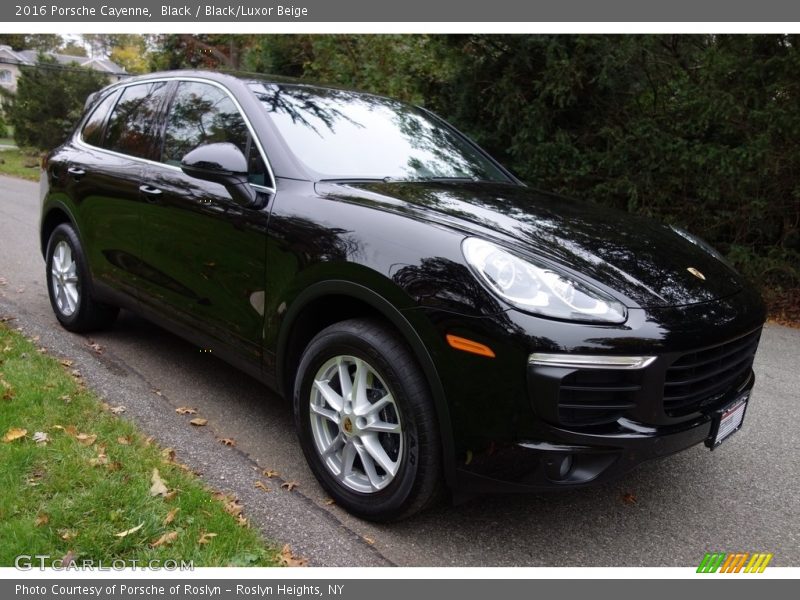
<point>728,421</point>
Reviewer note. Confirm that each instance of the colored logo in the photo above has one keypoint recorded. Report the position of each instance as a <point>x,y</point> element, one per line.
<point>696,273</point>
<point>734,562</point>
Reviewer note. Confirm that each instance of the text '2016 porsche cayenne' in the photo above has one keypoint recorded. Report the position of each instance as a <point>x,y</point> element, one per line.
<point>435,322</point>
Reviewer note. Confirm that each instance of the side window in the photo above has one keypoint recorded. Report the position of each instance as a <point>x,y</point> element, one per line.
<point>134,122</point>
<point>92,132</point>
<point>204,114</point>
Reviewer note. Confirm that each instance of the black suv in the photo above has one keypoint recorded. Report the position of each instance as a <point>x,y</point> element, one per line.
<point>433,319</point>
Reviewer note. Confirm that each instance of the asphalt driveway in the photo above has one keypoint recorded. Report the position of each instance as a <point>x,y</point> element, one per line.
<point>743,497</point>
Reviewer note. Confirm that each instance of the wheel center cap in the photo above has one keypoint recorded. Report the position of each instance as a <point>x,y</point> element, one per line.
<point>347,425</point>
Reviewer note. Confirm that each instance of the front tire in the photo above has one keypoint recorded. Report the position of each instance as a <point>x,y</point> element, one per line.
<point>366,421</point>
<point>69,284</point>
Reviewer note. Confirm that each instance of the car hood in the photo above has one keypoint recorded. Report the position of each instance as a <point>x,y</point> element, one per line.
<point>642,259</point>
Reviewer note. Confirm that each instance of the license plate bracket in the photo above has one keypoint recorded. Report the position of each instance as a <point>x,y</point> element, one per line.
<point>727,420</point>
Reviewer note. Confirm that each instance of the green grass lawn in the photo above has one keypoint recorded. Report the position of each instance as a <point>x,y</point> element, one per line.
<point>19,163</point>
<point>91,481</point>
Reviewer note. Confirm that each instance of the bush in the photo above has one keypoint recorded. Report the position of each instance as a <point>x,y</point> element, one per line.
<point>49,101</point>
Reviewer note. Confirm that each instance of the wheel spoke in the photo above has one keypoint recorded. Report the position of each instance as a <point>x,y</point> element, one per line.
<point>382,427</point>
<point>376,451</point>
<point>334,400</point>
<point>345,382</point>
<point>369,466</point>
<point>360,401</point>
<point>371,409</point>
<point>332,447</point>
<point>348,458</point>
<point>331,415</point>
<point>72,297</point>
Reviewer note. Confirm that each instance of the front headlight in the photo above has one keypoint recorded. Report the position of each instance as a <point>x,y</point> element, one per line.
<point>538,288</point>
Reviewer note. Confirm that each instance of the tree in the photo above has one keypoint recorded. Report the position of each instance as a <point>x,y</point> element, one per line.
<point>72,48</point>
<point>45,42</point>
<point>181,51</point>
<point>49,101</point>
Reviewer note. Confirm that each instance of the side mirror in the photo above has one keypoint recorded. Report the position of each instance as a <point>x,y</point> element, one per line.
<point>225,164</point>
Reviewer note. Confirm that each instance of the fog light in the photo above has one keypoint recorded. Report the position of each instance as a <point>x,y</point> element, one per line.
<point>558,467</point>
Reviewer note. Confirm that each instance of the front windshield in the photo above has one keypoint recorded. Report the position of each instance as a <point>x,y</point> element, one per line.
<point>346,135</point>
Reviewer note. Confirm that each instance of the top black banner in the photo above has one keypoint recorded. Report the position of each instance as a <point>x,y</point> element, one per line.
<point>459,11</point>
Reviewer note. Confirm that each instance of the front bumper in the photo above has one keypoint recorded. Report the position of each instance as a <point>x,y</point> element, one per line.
<point>579,458</point>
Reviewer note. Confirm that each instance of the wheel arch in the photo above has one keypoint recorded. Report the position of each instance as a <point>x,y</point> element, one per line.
<point>361,302</point>
<point>55,215</point>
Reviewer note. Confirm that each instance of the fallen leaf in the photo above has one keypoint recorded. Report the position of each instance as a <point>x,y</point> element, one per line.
<point>260,485</point>
<point>165,539</point>
<point>269,473</point>
<point>40,437</point>
<point>168,454</point>
<point>148,441</point>
<point>96,347</point>
<point>71,430</point>
<point>206,538</point>
<point>66,399</point>
<point>170,495</point>
<point>329,501</point>
<point>158,488</point>
<point>369,540</point>
<point>124,440</point>
<point>14,433</point>
<point>100,459</point>
<point>171,516</point>
<point>241,521</point>
<point>69,558</point>
<point>86,439</point>
<point>75,373</point>
<point>629,498</point>
<point>7,389</point>
<point>157,392</point>
<point>114,466</point>
<point>234,508</point>
<point>289,485</point>
<point>41,519</point>
<point>67,534</point>
<point>35,477</point>
<point>127,532</point>
<point>287,559</point>
<point>185,410</point>
<point>117,410</point>
<point>65,362</point>
<point>198,422</point>
<point>227,442</point>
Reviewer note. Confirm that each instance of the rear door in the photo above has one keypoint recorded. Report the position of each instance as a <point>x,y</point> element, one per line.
<point>104,179</point>
<point>207,251</point>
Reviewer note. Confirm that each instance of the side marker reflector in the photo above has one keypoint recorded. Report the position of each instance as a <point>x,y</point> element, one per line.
<point>460,343</point>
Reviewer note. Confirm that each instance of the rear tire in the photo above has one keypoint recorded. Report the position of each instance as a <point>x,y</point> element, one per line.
<point>69,284</point>
<point>366,421</point>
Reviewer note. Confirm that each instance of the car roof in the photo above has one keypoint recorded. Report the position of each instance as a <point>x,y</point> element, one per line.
<point>223,76</point>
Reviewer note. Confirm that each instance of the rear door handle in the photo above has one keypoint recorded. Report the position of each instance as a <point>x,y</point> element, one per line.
<point>152,192</point>
<point>76,172</point>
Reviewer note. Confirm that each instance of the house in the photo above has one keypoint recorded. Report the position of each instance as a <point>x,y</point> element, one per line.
<point>10,61</point>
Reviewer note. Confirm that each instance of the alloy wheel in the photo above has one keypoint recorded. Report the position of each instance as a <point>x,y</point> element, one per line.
<point>64,275</point>
<point>355,423</point>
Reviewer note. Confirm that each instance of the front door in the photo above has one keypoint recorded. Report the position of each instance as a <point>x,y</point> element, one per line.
<point>205,251</point>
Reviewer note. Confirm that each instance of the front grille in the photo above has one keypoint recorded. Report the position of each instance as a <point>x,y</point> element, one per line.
<point>700,378</point>
<point>596,396</point>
